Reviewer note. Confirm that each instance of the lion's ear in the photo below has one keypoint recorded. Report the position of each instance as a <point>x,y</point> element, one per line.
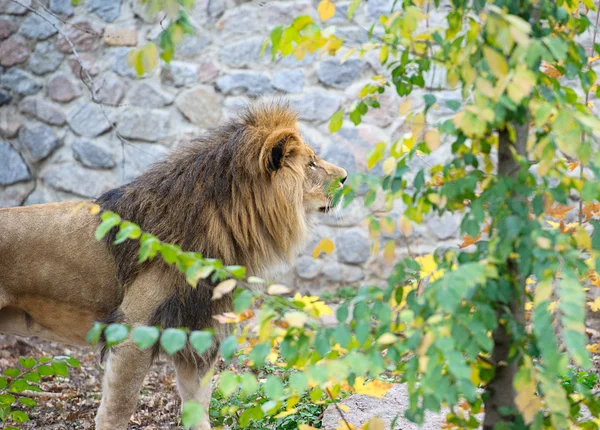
<point>277,156</point>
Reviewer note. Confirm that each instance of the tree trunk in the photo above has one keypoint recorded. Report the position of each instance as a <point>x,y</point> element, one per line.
<point>500,391</point>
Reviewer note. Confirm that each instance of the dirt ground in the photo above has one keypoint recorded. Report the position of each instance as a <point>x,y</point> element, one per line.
<point>72,403</point>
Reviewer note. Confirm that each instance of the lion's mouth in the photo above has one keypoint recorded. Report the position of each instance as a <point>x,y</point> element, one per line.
<point>324,209</point>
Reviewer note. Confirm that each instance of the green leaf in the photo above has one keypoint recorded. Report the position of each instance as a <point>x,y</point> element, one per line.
<point>191,413</point>
<point>248,383</point>
<point>242,301</point>
<point>336,121</point>
<point>572,306</point>
<point>201,341</point>
<point>298,382</point>
<point>228,347</point>
<point>3,383</point>
<point>45,370</point>
<point>456,286</point>
<point>115,333</point>
<point>145,337</point>
<point>19,385</point>
<point>173,340</point>
<point>238,272</point>
<point>109,220</point>
<point>27,363</point>
<point>7,399</point>
<point>12,372</point>
<point>228,383</point>
<point>274,388</point>
<point>60,368</point>
<point>93,336</point>
<point>27,401</point>
<point>73,362</point>
<point>32,377</point>
<point>19,416</point>
<point>376,155</point>
<point>352,8</point>
<point>454,105</point>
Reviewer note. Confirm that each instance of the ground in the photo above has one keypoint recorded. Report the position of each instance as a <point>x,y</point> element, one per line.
<point>72,403</point>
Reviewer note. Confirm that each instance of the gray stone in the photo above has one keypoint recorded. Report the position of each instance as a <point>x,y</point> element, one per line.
<point>64,7</point>
<point>139,156</point>
<point>13,51</point>
<point>20,82</point>
<point>337,272</point>
<point>61,88</point>
<point>179,74</point>
<point>14,195</point>
<point>316,105</point>
<point>44,111</point>
<point>11,121</point>
<point>193,45</point>
<point>144,124</point>
<point>307,267</point>
<point>46,58</point>
<point>92,155</point>
<point>251,83</point>
<point>12,167</point>
<point>376,8</point>
<point>110,89</point>
<point>361,408</point>
<point>289,81</point>
<point>39,140</point>
<point>108,10</point>
<point>89,62</point>
<point>207,71</point>
<point>84,35</point>
<point>292,61</point>
<point>200,105</point>
<point>37,27</point>
<point>87,119</point>
<point>119,64</point>
<point>7,28</point>
<point>12,8</point>
<point>39,196</point>
<point>150,96</point>
<point>244,53</point>
<point>313,137</point>
<point>352,246</point>
<point>233,106</point>
<point>73,178</point>
<point>337,75</point>
<point>5,98</point>
<point>445,226</point>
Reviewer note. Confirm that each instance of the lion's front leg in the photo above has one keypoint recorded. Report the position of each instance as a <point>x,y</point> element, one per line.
<point>189,378</point>
<point>126,368</point>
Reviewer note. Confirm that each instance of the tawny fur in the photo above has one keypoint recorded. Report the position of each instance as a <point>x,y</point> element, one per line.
<point>242,194</point>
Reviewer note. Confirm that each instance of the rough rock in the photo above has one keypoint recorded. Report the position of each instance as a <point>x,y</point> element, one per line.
<point>20,82</point>
<point>7,28</point>
<point>110,89</point>
<point>139,156</point>
<point>307,267</point>
<point>39,140</point>
<point>195,104</point>
<point>144,124</point>
<point>207,71</point>
<point>337,272</point>
<point>11,121</point>
<point>89,62</point>
<point>46,58</point>
<point>14,195</point>
<point>73,178</point>
<point>87,119</point>
<point>445,226</point>
<point>37,27</point>
<point>84,35</point>
<point>117,36</point>
<point>179,74</point>
<point>193,45</point>
<point>13,51</point>
<point>313,137</point>
<point>353,246</point>
<point>12,167</point>
<point>64,7</point>
<point>61,88</point>
<point>316,105</point>
<point>5,98</point>
<point>361,408</point>
<point>108,10</point>
<point>244,53</point>
<point>12,8</point>
<point>289,81</point>
<point>41,109</point>
<point>149,95</point>
<point>119,62</point>
<point>251,83</point>
<point>92,155</point>
<point>376,8</point>
<point>337,75</point>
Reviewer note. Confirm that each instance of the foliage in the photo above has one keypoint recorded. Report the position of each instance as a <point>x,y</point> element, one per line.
<point>513,293</point>
<point>17,384</point>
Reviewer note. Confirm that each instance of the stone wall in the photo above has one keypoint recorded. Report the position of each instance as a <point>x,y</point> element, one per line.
<point>55,144</point>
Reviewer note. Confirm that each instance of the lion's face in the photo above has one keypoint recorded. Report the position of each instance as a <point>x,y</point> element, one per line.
<point>321,180</point>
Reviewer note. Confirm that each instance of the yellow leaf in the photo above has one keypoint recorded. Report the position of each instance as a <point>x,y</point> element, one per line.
<point>306,427</point>
<point>543,242</point>
<point>526,400</point>
<point>277,290</point>
<point>287,413</point>
<point>347,55</point>
<point>374,424</point>
<point>296,319</point>
<point>389,165</point>
<point>594,348</point>
<point>405,226</point>
<point>383,54</point>
<point>326,10</point>
<point>325,245</point>
<point>149,57</point>
<point>405,106</point>
<point>344,407</point>
<point>595,305</point>
<point>418,124</point>
<point>496,62</point>
<point>387,339</point>
<point>374,388</point>
<point>94,209</point>
<point>432,139</point>
<point>389,252</point>
<point>223,288</point>
<point>582,238</point>
<point>77,208</point>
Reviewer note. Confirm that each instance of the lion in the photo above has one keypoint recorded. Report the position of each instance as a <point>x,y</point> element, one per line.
<point>244,193</point>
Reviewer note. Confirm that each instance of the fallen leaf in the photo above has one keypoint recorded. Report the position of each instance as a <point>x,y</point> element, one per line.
<point>223,288</point>
<point>325,245</point>
<point>326,10</point>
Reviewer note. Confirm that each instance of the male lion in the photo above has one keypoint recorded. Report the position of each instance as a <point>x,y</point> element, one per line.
<point>243,194</point>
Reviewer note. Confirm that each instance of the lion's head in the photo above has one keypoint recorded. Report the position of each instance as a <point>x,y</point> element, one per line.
<point>243,193</point>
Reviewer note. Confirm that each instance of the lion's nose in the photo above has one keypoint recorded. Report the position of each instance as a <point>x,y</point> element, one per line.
<point>343,179</point>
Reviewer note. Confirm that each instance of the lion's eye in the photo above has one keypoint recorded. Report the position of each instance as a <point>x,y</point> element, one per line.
<point>311,163</point>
